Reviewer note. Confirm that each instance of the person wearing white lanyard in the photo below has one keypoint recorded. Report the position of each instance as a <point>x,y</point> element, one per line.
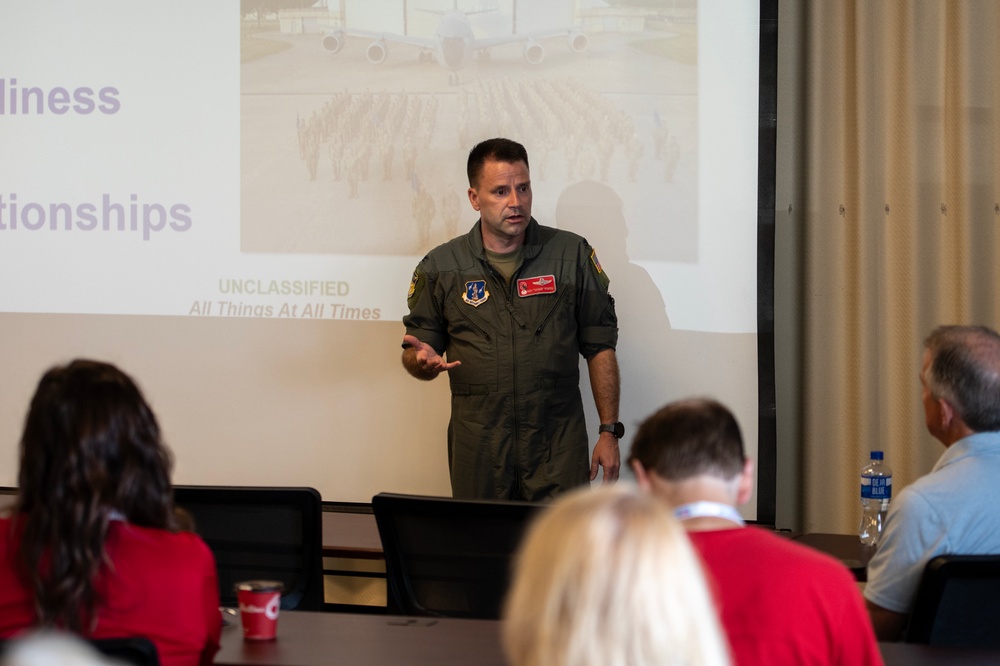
<point>779,602</point>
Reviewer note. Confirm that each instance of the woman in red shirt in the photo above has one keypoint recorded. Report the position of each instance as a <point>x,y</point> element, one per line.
<point>93,544</point>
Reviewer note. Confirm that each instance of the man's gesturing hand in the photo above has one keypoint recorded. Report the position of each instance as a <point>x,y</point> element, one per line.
<point>422,361</point>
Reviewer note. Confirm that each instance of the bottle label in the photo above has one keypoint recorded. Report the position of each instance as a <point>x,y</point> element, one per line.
<point>876,487</point>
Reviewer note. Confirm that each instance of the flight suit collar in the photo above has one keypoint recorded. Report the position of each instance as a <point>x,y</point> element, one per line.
<point>532,240</point>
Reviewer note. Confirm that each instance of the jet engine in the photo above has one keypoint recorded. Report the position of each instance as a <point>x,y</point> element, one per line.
<point>577,41</point>
<point>333,41</point>
<point>377,51</point>
<point>533,52</point>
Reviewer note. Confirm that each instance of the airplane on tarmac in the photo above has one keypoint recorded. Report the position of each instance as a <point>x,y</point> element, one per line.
<point>454,43</point>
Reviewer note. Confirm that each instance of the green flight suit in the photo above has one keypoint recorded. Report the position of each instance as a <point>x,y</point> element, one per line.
<point>517,427</point>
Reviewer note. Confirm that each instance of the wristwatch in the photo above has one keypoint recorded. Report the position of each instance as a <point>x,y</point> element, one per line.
<point>616,429</point>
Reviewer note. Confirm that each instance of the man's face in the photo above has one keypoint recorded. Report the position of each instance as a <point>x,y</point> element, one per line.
<point>502,196</point>
<point>932,408</point>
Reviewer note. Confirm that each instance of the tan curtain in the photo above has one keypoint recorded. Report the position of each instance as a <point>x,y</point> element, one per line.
<point>902,229</point>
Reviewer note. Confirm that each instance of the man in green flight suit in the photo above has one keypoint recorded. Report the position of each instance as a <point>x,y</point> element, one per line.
<point>513,305</point>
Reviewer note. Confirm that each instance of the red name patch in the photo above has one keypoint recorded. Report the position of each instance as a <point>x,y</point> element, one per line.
<point>543,284</point>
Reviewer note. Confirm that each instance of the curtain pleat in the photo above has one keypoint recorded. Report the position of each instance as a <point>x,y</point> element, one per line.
<point>902,184</point>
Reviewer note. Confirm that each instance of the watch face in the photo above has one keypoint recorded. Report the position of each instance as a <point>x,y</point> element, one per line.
<point>619,430</point>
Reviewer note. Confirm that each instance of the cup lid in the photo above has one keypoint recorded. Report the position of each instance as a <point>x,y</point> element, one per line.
<point>259,586</point>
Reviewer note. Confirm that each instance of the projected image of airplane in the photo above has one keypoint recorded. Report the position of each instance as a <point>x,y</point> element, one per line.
<point>454,44</point>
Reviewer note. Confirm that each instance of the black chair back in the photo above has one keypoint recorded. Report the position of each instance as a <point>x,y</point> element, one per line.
<point>447,557</point>
<point>958,602</point>
<point>136,650</point>
<point>261,533</point>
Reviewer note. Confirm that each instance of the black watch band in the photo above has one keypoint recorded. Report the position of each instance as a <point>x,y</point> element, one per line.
<point>616,429</point>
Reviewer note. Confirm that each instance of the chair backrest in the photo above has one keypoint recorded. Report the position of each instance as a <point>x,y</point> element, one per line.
<point>958,602</point>
<point>135,650</point>
<point>449,557</point>
<point>261,533</point>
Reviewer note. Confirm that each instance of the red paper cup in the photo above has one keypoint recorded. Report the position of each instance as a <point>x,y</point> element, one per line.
<point>259,601</point>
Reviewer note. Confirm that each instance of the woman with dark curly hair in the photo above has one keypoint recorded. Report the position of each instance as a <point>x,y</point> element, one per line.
<point>93,545</point>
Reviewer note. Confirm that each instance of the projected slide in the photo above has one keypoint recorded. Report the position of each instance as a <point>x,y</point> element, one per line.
<point>190,160</point>
<point>359,138</point>
<point>206,189</point>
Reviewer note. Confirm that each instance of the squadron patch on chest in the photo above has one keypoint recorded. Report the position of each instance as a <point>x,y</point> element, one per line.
<point>533,286</point>
<point>475,293</point>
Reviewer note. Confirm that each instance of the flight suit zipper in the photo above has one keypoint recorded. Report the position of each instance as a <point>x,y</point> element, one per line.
<point>514,319</point>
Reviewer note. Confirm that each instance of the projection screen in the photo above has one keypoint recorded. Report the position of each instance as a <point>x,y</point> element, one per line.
<point>229,204</point>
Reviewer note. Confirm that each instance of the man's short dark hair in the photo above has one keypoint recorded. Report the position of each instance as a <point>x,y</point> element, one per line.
<point>965,371</point>
<point>497,150</point>
<point>690,438</point>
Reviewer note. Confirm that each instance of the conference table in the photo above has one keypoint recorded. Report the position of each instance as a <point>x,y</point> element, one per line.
<point>347,639</point>
<point>352,534</point>
<point>355,535</point>
<point>845,547</point>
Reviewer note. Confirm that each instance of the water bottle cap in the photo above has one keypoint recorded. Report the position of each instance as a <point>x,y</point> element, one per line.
<point>877,455</point>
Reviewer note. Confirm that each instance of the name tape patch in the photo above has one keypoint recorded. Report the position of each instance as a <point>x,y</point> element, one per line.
<point>533,286</point>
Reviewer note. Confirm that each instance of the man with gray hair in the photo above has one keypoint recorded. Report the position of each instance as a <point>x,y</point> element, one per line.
<point>952,510</point>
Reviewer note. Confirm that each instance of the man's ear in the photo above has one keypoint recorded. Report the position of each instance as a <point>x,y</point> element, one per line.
<point>745,488</point>
<point>947,413</point>
<point>642,476</point>
<point>474,198</point>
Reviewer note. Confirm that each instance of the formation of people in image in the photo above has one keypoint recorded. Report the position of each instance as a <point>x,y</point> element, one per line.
<point>355,137</point>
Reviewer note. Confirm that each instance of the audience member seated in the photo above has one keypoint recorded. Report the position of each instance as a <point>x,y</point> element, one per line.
<point>952,510</point>
<point>92,544</point>
<point>606,576</point>
<point>780,602</point>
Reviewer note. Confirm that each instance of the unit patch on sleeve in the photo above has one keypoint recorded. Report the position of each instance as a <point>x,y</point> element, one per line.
<point>533,286</point>
<point>475,293</point>
<point>416,286</point>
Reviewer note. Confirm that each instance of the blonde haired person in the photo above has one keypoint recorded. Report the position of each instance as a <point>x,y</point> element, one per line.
<point>606,576</point>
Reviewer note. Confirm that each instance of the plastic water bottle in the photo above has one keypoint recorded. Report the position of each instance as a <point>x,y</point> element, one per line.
<point>876,491</point>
